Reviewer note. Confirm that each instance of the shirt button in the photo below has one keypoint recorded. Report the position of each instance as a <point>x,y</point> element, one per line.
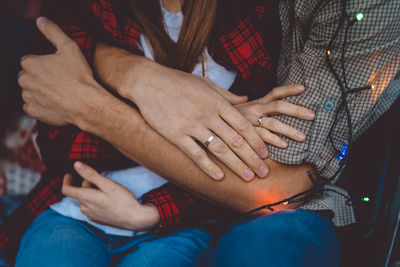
<point>329,105</point>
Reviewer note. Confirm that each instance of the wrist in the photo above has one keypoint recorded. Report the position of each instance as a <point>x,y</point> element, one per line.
<point>147,218</point>
<point>91,106</point>
<point>136,72</point>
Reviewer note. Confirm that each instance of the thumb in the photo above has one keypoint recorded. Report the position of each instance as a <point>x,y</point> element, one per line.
<point>231,97</point>
<point>91,175</point>
<point>52,32</point>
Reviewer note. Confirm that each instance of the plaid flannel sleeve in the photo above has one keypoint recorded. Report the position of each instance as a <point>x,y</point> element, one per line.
<point>178,207</point>
<point>371,58</point>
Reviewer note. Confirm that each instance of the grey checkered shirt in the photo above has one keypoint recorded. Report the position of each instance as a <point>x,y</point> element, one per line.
<point>372,58</point>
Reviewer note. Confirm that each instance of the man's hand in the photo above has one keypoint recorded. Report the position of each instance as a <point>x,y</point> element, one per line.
<point>184,108</point>
<point>109,203</point>
<point>257,113</point>
<point>53,85</point>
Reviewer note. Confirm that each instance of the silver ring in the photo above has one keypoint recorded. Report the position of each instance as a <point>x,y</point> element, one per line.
<point>209,140</point>
<point>259,120</point>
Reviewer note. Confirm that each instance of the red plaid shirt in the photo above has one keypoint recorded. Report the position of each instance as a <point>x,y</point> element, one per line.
<point>240,42</point>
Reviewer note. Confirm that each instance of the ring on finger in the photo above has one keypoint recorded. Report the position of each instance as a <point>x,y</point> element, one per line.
<point>209,140</point>
<point>260,119</point>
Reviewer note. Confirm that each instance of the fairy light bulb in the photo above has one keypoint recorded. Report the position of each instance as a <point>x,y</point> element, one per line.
<point>365,199</point>
<point>359,16</point>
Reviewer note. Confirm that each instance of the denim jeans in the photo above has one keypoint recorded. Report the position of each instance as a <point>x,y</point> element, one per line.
<point>56,240</point>
<point>295,238</point>
<point>285,239</point>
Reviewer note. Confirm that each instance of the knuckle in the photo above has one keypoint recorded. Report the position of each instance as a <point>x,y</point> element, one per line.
<point>243,125</point>
<point>220,147</point>
<point>272,123</point>
<point>274,92</point>
<point>62,188</point>
<point>84,210</point>
<point>27,108</point>
<point>258,143</point>
<point>24,96</point>
<point>198,154</point>
<point>21,81</point>
<point>237,140</point>
<point>23,61</point>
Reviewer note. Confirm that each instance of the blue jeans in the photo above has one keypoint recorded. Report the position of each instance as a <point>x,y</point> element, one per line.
<point>285,239</point>
<point>56,240</point>
<point>296,238</point>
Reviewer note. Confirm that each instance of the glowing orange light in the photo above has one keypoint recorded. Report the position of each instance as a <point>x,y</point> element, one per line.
<point>329,52</point>
<point>285,203</point>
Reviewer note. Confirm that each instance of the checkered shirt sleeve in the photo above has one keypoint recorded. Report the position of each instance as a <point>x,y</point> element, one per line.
<point>178,207</point>
<point>372,57</point>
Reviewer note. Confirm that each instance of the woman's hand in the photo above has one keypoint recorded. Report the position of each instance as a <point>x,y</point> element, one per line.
<point>107,202</point>
<point>258,112</point>
<point>185,108</point>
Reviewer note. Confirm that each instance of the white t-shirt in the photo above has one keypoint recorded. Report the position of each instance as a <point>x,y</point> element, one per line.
<point>140,180</point>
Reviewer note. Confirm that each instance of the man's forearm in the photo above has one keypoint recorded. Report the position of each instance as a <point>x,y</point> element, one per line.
<point>124,128</point>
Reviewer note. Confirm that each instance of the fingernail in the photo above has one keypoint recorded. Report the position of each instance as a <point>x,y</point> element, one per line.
<point>300,136</point>
<point>300,88</point>
<point>284,144</point>
<point>79,165</point>
<point>310,115</point>
<point>263,171</point>
<point>248,174</point>
<point>264,153</point>
<point>41,21</point>
<point>219,175</point>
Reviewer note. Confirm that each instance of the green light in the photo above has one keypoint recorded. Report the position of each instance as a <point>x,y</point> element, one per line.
<point>359,16</point>
<point>365,199</point>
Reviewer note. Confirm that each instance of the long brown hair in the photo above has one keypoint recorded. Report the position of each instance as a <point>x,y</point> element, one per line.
<point>199,17</point>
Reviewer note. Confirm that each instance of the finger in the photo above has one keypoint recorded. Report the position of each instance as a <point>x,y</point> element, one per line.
<point>241,148</point>
<point>271,138</point>
<point>282,92</point>
<point>276,126</point>
<point>72,191</point>
<point>28,64</point>
<point>242,126</point>
<point>200,157</point>
<point>232,98</point>
<point>221,150</point>
<point>52,32</point>
<point>92,176</point>
<point>86,184</point>
<point>24,80</point>
<point>289,109</point>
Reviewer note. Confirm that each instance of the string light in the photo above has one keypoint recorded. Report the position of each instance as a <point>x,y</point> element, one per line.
<point>365,199</point>
<point>359,16</point>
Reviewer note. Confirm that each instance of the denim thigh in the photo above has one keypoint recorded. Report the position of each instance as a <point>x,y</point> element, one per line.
<point>56,240</point>
<point>283,239</point>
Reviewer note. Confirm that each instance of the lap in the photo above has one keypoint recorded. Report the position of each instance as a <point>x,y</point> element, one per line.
<point>182,248</point>
<point>56,239</point>
<point>288,238</point>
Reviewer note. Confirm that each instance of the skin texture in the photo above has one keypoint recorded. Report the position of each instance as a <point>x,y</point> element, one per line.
<point>59,89</point>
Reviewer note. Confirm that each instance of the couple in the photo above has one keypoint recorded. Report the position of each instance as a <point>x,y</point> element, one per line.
<point>175,61</point>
